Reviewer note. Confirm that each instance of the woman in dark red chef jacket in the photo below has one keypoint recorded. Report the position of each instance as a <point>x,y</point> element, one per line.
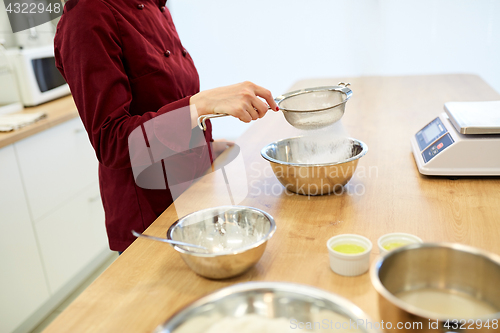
<point>125,65</point>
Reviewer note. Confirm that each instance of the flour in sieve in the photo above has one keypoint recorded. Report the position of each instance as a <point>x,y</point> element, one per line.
<point>315,120</point>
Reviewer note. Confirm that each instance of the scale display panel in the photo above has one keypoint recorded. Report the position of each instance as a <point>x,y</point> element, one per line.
<point>440,149</point>
<point>430,133</point>
<point>437,147</point>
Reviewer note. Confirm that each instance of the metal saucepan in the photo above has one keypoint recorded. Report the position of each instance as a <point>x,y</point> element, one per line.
<point>436,288</point>
<point>279,306</point>
<point>307,109</point>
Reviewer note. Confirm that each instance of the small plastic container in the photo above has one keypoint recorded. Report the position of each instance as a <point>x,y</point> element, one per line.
<point>392,241</point>
<point>349,264</point>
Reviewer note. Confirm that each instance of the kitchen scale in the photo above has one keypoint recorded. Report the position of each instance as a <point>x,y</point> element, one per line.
<point>462,141</point>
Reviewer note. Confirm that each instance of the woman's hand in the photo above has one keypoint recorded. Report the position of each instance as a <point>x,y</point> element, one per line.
<point>239,100</point>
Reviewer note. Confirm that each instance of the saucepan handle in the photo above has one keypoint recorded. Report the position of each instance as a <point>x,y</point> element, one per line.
<point>203,119</point>
<point>347,91</point>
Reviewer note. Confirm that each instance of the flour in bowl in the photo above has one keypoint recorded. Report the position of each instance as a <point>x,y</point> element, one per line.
<point>322,151</point>
<point>251,323</point>
<point>322,321</point>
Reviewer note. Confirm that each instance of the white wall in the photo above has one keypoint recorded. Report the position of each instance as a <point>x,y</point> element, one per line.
<point>5,30</point>
<point>44,32</point>
<point>277,42</point>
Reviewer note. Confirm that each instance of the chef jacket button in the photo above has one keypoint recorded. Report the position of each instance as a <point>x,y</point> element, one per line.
<point>184,52</point>
<point>140,6</point>
<point>166,53</point>
<point>162,8</point>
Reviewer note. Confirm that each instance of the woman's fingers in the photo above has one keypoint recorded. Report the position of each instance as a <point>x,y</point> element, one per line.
<point>251,110</point>
<point>260,107</point>
<point>242,101</point>
<point>243,111</point>
<point>266,94</point>
<point>242,114</point>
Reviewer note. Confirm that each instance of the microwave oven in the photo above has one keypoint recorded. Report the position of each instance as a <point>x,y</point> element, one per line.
<point>38,79</point>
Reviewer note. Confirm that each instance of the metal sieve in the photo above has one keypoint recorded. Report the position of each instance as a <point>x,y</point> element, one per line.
<point>307,109</point>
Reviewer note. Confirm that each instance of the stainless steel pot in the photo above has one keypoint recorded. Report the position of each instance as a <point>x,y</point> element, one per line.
<point>293,303</point>
<point>453,269</point>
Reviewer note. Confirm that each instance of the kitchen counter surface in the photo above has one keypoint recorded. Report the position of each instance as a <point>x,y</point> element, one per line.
<point>149,282</point>
<point>58,111</point>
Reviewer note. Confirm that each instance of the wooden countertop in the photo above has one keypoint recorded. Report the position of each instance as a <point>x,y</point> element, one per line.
<point>58,111</point>
<point>150,282</point>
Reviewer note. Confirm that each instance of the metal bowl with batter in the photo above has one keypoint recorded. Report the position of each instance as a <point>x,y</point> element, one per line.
<point>235,236</point>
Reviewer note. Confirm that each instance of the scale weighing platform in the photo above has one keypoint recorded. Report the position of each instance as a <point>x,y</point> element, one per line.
<point>463,141</point>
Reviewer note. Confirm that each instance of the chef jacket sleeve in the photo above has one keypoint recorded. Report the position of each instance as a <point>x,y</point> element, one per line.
<point>89,55</point>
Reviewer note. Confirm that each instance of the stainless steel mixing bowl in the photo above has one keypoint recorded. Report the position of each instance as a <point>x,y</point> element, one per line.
<point>236,237</point>
<point>446,268</point>
<point>314,165</point>
<point>293,303</point>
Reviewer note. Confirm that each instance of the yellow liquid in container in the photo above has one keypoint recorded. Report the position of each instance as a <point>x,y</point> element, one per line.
<point>393,245</point>
<point>348,248</point>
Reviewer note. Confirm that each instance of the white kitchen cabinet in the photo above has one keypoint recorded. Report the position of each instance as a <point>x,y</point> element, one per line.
<point>23,287</point>
<point>56,165</point>
<point>72,236</point>
<point>53,233</point>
